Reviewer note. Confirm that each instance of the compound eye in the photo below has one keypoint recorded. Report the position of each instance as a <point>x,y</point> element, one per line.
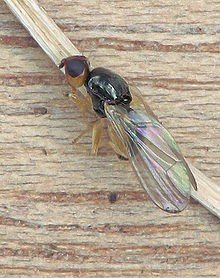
<point>75,68</point>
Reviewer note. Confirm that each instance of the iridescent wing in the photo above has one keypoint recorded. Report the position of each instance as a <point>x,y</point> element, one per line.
<point>154,155</point>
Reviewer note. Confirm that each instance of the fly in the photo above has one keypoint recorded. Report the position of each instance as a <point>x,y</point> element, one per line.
<point>135,132</point>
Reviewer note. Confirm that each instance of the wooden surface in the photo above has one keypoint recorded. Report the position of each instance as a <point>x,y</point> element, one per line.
<point>58,46</point>
<point>55,214</point>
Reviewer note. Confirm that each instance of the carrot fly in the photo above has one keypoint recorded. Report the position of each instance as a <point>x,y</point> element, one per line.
<point>135,132</point>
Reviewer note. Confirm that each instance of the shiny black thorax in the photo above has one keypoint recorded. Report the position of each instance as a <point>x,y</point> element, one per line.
<point>103,86</point>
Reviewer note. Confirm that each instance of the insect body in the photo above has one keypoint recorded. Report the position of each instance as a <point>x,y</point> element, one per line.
<point>105,86</point>
<point>136,133</point>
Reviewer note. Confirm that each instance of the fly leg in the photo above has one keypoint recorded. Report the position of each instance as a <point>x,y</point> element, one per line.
<point>83,101</point>
<point>117,145</point>
<point>96,127</point>
<point>82,133</point>
<point>97,131</point>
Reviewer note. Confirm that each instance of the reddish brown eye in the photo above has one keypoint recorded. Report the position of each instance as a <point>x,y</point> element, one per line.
<point>75,67</point>
<point>76,70</point>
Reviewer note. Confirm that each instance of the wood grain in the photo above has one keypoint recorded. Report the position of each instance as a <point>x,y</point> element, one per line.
<point>56,216</point>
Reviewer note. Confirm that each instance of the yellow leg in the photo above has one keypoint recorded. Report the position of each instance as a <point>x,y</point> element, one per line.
<point>82,133</point>
<point>116,144</point>
<point>97,130</point>
<point>82,101</point>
